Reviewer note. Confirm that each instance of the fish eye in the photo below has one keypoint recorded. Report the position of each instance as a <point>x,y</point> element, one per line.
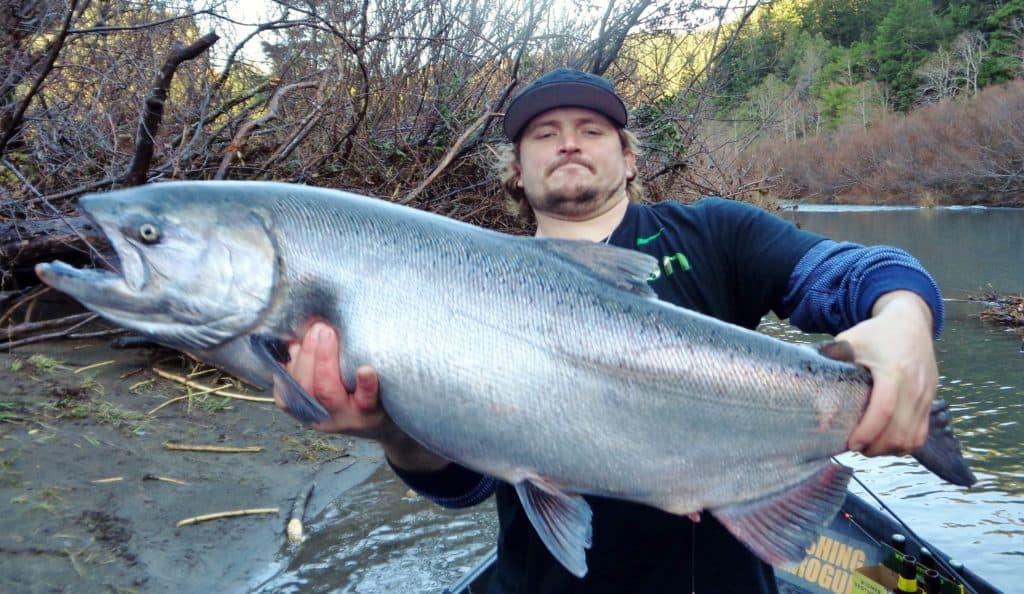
<point>149,233</point>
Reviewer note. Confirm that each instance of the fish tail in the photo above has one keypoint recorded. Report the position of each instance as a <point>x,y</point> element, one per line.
<point>941,452</point>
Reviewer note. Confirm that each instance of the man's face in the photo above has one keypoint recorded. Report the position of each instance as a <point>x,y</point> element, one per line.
<point>572,164</point>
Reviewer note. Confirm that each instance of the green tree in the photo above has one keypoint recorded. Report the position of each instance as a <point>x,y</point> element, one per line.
<point>844,22</point>
<point>837,101</point>
<point>757,52</point>
<point>906,37</point>
<point>963,15</point>
<point>849,66</point>
<point>1006,44</point>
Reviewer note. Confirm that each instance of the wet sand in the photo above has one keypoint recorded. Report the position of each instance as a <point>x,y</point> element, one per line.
<point>79,453</point>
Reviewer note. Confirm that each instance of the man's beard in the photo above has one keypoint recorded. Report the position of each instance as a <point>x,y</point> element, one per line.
<point>567,203</point>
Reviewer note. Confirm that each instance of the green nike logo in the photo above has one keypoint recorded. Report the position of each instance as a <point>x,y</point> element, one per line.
<point>649,238</point>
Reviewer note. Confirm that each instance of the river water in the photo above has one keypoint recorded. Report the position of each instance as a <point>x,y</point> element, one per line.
<point>379,540</point>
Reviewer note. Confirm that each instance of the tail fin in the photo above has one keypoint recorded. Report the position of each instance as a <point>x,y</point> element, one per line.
<point>941,452</point>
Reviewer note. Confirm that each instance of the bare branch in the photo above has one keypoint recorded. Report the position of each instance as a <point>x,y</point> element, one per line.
<point>272,113</point>
<point>14,124</point>
<point>154,108</point>
<point>21,176</point>
<point>450,155</point>
<point>305,127</point>
<point>143,26</point>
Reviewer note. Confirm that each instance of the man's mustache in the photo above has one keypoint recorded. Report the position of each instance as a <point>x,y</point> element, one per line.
<point>567,160</point>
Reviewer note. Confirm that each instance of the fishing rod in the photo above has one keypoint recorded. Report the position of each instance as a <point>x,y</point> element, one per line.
<point>909,532</point>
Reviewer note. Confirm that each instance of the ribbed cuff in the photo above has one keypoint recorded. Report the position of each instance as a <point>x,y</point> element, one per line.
<point>453,486</point>
<point>896,278</point>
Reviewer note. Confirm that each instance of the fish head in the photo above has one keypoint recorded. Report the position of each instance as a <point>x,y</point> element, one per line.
<point>194,269</point>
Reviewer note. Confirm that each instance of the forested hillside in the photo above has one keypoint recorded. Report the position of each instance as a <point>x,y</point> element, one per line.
<point>881,100</point>
<point>852,56</point>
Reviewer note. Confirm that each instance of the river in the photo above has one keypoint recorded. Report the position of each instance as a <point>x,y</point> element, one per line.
<point>969,251</point>
<point>379,540</point>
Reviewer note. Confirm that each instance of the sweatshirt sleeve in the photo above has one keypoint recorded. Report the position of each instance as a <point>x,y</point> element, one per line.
<point>835,285</point>
<point>453,486</point>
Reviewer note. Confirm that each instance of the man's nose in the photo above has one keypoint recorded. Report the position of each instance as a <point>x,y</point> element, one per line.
<point>570,143</point>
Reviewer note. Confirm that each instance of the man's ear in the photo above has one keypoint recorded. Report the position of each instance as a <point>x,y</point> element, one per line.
<point>630,158</point>
<point>518,170</point>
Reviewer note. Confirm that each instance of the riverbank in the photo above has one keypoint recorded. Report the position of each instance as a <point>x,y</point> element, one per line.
<point>93,495</point>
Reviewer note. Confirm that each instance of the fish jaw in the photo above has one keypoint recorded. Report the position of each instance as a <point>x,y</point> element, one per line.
<point>108,294</point>
<point>93,287</point>
<point>104,292</point>
<point>98,288</point>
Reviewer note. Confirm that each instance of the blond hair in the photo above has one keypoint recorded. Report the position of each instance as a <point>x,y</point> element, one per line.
<point>507,156</point>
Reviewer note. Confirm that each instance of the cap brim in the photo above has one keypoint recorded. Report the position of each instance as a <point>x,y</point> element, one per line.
<point>565,94</point>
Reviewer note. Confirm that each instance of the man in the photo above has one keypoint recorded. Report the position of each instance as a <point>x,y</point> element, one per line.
<point>572,169</point>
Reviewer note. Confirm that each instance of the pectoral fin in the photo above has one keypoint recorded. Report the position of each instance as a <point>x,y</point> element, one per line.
<point>778,528</point>
<point>562,522</point>
<point>302,406</point>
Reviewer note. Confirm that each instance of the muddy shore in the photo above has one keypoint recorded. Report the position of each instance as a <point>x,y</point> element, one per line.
<point>92,495</point>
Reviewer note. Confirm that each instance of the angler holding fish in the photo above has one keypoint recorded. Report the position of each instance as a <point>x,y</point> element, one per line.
<point>605,395</point>
<point>571,168</point>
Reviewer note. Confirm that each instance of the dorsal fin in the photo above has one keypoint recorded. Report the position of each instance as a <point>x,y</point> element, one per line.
<point>620,267</point>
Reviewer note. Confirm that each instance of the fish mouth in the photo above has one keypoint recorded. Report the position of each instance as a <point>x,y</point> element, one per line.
<point>119,289</point>
<point>93,286</point>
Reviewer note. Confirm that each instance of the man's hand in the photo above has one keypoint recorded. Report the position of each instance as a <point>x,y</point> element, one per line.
<point>895,344</point>
<point>316,365</point>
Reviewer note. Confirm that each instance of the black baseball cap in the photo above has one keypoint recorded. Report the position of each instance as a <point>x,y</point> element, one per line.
<point>563,87</point>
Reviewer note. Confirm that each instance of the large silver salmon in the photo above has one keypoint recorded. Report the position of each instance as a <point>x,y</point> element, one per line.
<point>549,364</point>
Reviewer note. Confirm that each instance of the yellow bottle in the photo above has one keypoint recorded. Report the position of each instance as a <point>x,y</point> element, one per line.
<point>907,581</point>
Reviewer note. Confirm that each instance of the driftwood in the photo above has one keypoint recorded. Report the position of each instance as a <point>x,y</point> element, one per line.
<point>71,331</point>
<point>185,447</point>
<point>1006,311</point>
<point>294,530</point>
<point>12,332</point>
<point>26,242</point>
<point>228,514</point>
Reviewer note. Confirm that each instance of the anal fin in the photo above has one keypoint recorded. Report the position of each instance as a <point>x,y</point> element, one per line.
<point>301,405</point>
<point>779,527</point>
<point>562,521</point>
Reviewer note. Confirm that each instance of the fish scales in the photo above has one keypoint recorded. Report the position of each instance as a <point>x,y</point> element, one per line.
<point>560,395</point>
<point>546,363</point>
